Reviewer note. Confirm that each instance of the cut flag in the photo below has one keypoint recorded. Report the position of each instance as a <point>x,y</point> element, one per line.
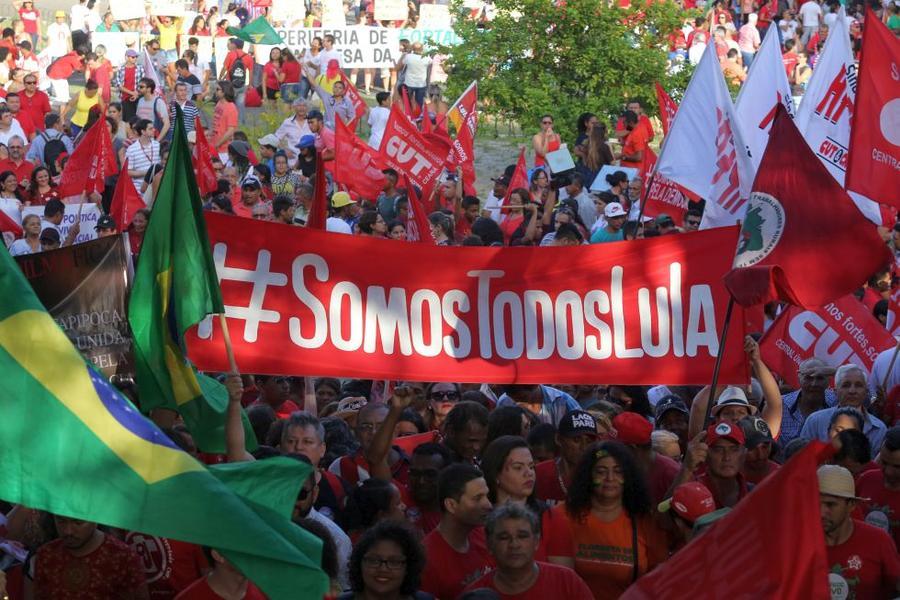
<point>258,31</point>
<point>826,111</point>
<point>201,157</point>
<point>94,457</point>
<point>874,167</point>
<point>766,86</point>
<point>8,226</point>
<point>704,151</point>
<point>357,170</point>
<point>126,200</point>
<point>150,71</point>
<point>318,210</point>
<point>667,108</point>
<point>788,544</point>
<point>89,165</point>
<point>418,227</point>
<point>797,221</point>
<point>464,143</point>
<point>176,287</point>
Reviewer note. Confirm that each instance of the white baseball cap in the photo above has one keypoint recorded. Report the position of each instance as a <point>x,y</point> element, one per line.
<point>614,209</point>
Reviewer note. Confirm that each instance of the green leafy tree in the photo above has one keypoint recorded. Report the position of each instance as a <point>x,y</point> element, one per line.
<point>536,57</point>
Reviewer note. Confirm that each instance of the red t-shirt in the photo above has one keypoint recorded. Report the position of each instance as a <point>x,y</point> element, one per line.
<point>790,60</point>
<point>225,116</point>
<point>169,565</point>
<point>554,581</point>
<point>64,66</point>
<point>771,467</point>
<point>29,19</point>
<point>448,572</point>
<point>129,77</point>
<point>27,123</point>
<point>660,476</point>
<point>22,170</point>
<point>271,77</point>
<point>865,566</point>
<point>288,406</point>
<point>113,570</point>
<point>883,507</point>
<point>547,482</point>
<point>705,479</point>
<point>245,58</point>
<point>200,590</point>
<point>423,520</point>
<point>291,70</point>
<point>37,106</point>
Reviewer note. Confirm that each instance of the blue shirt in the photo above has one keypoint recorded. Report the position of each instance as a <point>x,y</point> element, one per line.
<point>816,427</point>
<point>556,404</point>
<point>792,419</point>
<point>601,236</point>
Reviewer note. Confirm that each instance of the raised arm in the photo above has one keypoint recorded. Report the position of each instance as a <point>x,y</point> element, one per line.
<point>235,443</point>
<point>772,412</point>
<point>378,451</point>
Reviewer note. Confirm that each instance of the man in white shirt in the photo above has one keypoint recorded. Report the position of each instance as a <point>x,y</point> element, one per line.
<point>378,118</point>
<point>320,62</point>
<point>58,36</point>
<point>294,128</point>
<point>811,18</point>
<point>416,75</point>
<point>9,126</point>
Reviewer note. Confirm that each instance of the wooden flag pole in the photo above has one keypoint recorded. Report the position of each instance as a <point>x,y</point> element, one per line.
<point>229,350</point>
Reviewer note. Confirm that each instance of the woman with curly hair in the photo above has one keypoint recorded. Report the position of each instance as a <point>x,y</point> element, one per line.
<point>605,530</point>
<point>387,562</point>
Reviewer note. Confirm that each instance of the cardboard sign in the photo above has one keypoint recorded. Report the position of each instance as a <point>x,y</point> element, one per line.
<point>391,10</point>
<point>167,8</point>
<point>287,12</point>
<point>90,212</point>
<point>125,10</point>
<point>116,44</point>
<point>433,16</point>
<point>333,14</point>
<point>600,184</point>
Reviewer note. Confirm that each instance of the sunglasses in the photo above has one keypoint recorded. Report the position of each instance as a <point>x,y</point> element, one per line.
<point>30,82</point>
<point>450,395</point>
<point>690,222</point>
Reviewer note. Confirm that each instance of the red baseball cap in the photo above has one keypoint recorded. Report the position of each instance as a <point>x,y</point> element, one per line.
<point>724,431</point>
<point>690,501</point>
<point>632,428</point>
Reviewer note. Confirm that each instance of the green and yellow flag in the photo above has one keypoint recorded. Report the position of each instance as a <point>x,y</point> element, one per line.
<point>175,287</point>
<point>258,31</point>
<point>72,445</point>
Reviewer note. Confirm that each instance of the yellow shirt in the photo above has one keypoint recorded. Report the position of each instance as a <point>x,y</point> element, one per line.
<point>168,34</point>
<point>83,106</point>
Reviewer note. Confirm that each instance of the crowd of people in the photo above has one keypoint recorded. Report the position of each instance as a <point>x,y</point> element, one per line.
<point>439,489</point>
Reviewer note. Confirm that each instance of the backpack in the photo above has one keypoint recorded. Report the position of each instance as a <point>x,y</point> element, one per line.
<point>157,120</point>
<point>53,147</point>
<point>237,74</point>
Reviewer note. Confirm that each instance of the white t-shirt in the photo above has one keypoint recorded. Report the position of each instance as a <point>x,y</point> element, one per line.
<point>788,28</point>
<point>416,70</point>
<point>12,208</point>
<point>79,17</point>
<point>141,158</point>
<point>20,247</point>
<point>15,129</point>
<point>378,118</point>
<point>58,35</point>
<point>810,13</point>
<point>337,225</point>
<point>326,55</point>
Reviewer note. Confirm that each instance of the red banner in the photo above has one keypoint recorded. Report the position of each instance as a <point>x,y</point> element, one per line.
<point>840,332</point>
<point>357,169</point>
<point>359,103</point>
<point>665,197</point>
<point>638,312</point>
<point>405,150</point>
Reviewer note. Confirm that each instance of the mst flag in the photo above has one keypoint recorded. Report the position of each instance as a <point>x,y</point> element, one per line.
<point>89,165</point>
<point>257,31</point>
<point>802,241</point>
<point>788,545</point>
<point>175,287</point>
<point>94,457</point>
<point>874,168</point>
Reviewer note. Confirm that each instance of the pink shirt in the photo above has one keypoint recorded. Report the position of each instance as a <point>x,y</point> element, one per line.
<point>748,38</point>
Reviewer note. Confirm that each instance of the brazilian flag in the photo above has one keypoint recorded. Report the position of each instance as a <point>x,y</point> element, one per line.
<point>258,31</point>
<point>175,287</point>
<point>72,445</point>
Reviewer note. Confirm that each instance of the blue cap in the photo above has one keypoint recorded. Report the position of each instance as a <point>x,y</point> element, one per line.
<point>307,141</point>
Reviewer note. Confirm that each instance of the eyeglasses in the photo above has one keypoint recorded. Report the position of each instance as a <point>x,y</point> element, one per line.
<point>449,395</point>
<point>393,564</point>
<point>30,82</point>
<point>692,222</point>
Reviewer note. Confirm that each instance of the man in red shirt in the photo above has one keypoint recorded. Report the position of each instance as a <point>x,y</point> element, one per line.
<point>59,72</point>
<point>881,487</point>
<point>34,102</point>
<point>659,471</point>
<point>790,59</point>
<point>757,464</point>
<point>225,581</point>
<point>239,82</point>
<point>456,550</point>
<point>84,562</point>
<point>225,119</point>
<point>513,535</point>
<point>636,142</point>
<point>577,430</point>
<point>724,461</point>
<point>862,560</point>
<point>17,163</point>
<point>170,565</point>
<point>421,495</point>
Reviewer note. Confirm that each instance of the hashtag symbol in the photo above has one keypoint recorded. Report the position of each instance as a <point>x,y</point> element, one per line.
<point>261,278</point>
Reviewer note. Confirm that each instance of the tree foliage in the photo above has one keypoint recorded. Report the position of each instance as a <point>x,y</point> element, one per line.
<point>537,57</point>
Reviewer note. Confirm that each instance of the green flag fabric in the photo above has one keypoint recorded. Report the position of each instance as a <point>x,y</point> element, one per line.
<point>72,445</point>
<point>175,287</point>
<point>258,31</point>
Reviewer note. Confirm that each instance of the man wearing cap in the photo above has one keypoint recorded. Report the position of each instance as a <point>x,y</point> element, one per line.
<point>268,146</point>
<point>126,81</point>
<point>105,227</point>
<point>724,462</point>
<point>665,225</point>
<point>577,430</point>
<point>689,502</point>
<point>494,200</point>
<point>850,385</point>
<point>814,394</point>
<point>757,464</point>
<point>672,415</point>
<point>294,127</point>
<point>251,201</point>
<point>615,219</point>
<point>862,559</point>
<point>50,239</point>
<point>659,471</point>
<point>324,136</point>
<point>882,487</point>
<point>59,36</point>
<point>345,208</point>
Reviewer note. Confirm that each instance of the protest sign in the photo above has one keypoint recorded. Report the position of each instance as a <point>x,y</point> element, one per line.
<point>600,184</point>
<point>125,10</point>
<point>664,197</point>
<point>433,16</point>
<point>204,47</point>
<point>638,312</point>
<point>404,149</point>
<point>84,288</point>
<point>391,10</point>
<point>90,212</point>
<point>116,44</point>
<point>168,8</point>
<point>287,12</point>
<point>360,47</point>
<point>841,332</point>
<point>333,13</point>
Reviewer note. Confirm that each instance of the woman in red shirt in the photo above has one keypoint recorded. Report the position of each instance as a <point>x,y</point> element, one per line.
<point>41,189</point>
<point>31,21</point>
<point>272,75</point>
<point>199,27</point>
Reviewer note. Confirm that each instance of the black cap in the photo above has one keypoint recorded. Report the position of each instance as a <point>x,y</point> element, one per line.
<point>105,222</point>
<point>315,114</point>
<point>577,422</point>
<point>670,402</point>
<point>251,184</point>
<point>50,235</point>
<point>240,147</point>
<point>756,431</point>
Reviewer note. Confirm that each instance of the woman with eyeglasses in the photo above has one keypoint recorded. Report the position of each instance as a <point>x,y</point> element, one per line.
<point>386,564</point>
<point>545,141</point>
<point>442,397</point>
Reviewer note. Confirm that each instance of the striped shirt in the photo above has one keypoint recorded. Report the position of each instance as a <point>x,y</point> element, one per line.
<point>792,419</point>
<point>141,158</point>
<point>190,112</point>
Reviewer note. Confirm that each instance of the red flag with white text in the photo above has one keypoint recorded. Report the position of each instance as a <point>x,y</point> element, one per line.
<point>207,180</point>
<point>89,165</point>
<point>405,150</point>
<point>787,543</point>
<point>357,169</point>
<point>126,200</point>
<point>667,108</point>
<point>464,144</point>
<point>803,240</point>
<point>874,166</point>
<point>9,227</point>
<point>418,227</point>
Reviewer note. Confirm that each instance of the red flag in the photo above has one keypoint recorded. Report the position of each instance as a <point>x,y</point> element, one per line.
<point>666,197</point>
<point>8,225</point>
<point>519,178</point>
<point>207,180</point>
<point>464,144</point>
<point>795,208</point>
<point>318,212</point>
<point>874,165</point>
<point>418,227</point>
<point>90,164</point>
<point>359,105</point>
<point>407,107</point>
<point>358,168</point>
<point>667,107</point>
<point>405,150</point>
<point>788,545</point>
<point>126,200</point>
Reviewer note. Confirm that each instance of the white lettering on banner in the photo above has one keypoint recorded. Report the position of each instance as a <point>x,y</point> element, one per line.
<point>511,324</point>
<point>396,148</point>
<point>809,330</point>
<point>90,212</point>
<point>726,185</point>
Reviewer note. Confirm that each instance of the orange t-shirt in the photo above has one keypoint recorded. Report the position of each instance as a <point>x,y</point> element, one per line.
<point>638,140</point>
<point>603,552</point>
